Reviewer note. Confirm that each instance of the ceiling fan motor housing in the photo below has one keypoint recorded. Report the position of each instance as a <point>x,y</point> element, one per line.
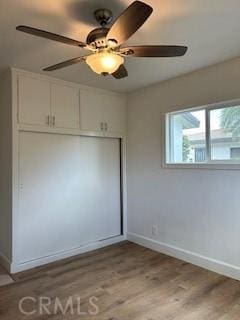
<point>98,37</point>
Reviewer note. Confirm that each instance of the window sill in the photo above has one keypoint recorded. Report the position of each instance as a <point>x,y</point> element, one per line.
<point>206,166</point>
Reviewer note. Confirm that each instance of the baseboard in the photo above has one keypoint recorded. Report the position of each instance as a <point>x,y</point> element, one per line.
<point>188,256</point>
<point>65,254</point>
<point>5,262</point>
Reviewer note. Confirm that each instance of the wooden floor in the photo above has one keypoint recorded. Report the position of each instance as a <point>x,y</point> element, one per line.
<point>130,282</point>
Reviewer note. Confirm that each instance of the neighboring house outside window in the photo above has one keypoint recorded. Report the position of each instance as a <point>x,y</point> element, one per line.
<point>200,154</point>
<point>221,143</point>
<point>235,153</point>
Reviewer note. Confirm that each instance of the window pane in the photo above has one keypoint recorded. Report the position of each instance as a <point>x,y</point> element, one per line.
<point>187,141</point>
<point>225,133</point>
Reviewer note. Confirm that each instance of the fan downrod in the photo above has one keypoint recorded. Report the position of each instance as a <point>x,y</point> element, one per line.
<point>103,16</point>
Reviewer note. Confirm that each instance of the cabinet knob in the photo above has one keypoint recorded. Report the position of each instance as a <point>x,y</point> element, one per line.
<point>102,126</point>
<point>53,120</point>
<point>106,126</point>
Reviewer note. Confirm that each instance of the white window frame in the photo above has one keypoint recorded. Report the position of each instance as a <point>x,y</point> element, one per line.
<point>209,164</point>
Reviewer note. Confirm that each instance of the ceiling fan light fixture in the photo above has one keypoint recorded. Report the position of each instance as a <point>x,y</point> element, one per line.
<point>104,62</point>
<point>106,42</point>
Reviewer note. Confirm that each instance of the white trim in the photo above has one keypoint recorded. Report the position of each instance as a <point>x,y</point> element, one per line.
<point>65,254</point>
<point>215,105</point>
<point>206,166</point>
<point>123,160</point>
<point>75,132</point>
<point>5,262</point>
<point>191,257</point>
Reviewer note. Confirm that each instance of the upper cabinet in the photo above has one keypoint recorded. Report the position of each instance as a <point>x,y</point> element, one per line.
<point>50,103</point>
<point>102,111</point>
<point>33,101</point>
<point>65,106</point>
<point>43,103</point>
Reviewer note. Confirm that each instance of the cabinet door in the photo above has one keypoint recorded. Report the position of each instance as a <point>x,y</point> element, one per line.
<point>64,106</point>
<point>98,108</point>
<point>92,110</point>
<point>33,101</point>
<point>115,113</point>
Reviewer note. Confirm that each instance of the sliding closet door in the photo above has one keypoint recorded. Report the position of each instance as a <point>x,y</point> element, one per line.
<point>69,192</point>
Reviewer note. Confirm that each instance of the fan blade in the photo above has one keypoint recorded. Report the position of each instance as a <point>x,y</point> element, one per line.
<point>155,51</point>
<point>129,22</point>
<point>50,36</point>
<point>120,73</point>
<point>64,64</point>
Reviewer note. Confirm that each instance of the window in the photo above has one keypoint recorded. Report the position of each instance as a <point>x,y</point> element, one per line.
<point>224,133</point>
<point>207,135</point>
<point>187,136</point>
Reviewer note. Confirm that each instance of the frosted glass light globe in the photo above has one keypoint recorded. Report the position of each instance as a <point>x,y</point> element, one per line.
<point>104,62</point>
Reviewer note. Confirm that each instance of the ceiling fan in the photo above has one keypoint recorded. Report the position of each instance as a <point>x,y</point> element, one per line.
<point>107,54</point>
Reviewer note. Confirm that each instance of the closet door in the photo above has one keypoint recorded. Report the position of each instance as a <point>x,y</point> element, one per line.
<point>65,106</point>
<point>69,192</point>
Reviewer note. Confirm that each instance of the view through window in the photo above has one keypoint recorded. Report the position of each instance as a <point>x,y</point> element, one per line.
<point>225,133</point>
<point>193,139</point>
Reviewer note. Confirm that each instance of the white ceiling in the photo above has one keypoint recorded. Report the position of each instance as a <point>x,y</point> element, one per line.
<point>210,28</point>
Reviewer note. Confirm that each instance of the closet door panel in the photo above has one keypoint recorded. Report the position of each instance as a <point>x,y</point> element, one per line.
<point>65,106</point>
<point>69,193</point>
<point>33,101</point>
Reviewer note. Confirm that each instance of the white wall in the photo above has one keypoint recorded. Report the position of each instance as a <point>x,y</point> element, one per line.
<point>197,210</point>
<point>5,171</point>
